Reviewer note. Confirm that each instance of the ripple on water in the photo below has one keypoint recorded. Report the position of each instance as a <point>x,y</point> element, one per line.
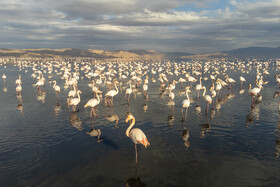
<point>22,158</point>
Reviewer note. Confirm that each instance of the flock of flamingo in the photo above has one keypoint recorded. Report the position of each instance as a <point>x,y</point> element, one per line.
<point>135,77</point>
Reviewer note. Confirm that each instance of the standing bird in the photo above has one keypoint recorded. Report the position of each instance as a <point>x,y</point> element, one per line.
<point>198,87</point>
<point>242,79</point>
<point>128,91</point>
<point>56,88</point>
<point>4,78</point>
<point>136,135</point>
<point>254,92</point>
<point>18,81</point>
<point>93,103</point>
<point>231,81</point>
<point>75,101</point>
<point>18,89</point>
<point>171,95</point>
<point>207,99</point>
<point>145,88</point>
<point>112,93</point>
<point>186,103</point>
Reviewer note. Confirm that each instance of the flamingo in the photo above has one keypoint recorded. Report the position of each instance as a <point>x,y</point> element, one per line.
<point>75,101</point>
<point>18,88</point>
<point>231,81</point>
<point>171,95</point>
<point>198,87</point>
<point>207,98</point>
<point>186,103</point>
<point>4,78</point>
<point>145,88</point>
<point>56,88</point>
<point>18,81</point>
<point>254,92</point>
<point>136,135</point>
<point>40,82</point>
<point>72,93</point>
<point>93,103</point>
<point>242,79</point>
<point>112,93</point>
<point>128,91</point>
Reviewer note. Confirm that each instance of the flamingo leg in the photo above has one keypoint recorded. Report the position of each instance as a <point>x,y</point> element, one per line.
<point>182,114</point>
<point>99,134</point>
<point>136,152</point>
<point>93,111</point>
<point>90,113</point>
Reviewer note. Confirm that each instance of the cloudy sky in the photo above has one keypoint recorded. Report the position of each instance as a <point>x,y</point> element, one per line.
<point>163,25</point>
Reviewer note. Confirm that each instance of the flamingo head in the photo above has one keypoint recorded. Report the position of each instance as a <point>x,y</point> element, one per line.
<point>129,117</point>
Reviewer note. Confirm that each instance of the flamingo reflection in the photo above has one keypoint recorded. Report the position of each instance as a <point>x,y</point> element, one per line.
<point>95,133</point>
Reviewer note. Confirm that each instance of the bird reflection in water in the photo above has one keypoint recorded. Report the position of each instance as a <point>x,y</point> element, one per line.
<point>112,117</point>
<point>135,182</point>
<point>5,89</point>
<point>241,91</point>
<point>185,134</point>
<point>205,127</point>
<point>253,115</point>
<point>57,108</point>
<point>19,106</point>
<point>198,110</point>
<point>76,121</point>
<point>277,130</point>
<point>95,133</point>
<point>277,140</point>
<point>41,95</point>
<point>170,117</point>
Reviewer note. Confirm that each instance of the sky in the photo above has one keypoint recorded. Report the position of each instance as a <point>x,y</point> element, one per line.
<point>162,25</point>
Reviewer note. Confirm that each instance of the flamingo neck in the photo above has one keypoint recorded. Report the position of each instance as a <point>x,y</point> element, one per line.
<point>204,92</point>
<point>79,96</point>
<point>116,88</point>
<point>200,80</point>
<point>54,84</point>
<point>130,126</point>
<point>188,95</point>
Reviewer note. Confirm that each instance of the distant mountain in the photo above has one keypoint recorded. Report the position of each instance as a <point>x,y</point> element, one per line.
<point>99,54</point>
<point>254,52</point>
<point>250,52</point>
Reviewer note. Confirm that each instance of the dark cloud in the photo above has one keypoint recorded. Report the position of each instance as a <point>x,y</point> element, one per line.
<point>104,24</point>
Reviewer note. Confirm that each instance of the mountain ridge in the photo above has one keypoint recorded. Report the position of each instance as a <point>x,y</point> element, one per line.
<point>248,52</point>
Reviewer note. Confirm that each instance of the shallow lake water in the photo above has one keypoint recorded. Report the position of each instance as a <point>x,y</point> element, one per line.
<point>44,143</point>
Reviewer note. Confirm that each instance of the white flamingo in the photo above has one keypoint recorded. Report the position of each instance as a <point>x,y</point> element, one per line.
<point>93,103</point>
<point>112,93</point>
<point>56,88</point>
<point>136,135</point>
<point>75,101</point>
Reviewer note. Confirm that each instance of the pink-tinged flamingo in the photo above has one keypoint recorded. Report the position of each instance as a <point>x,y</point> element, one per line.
<point>93,103</point>
<point>136,135</point>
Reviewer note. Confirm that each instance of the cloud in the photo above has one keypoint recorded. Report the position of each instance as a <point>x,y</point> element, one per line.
<point>202,26</point>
